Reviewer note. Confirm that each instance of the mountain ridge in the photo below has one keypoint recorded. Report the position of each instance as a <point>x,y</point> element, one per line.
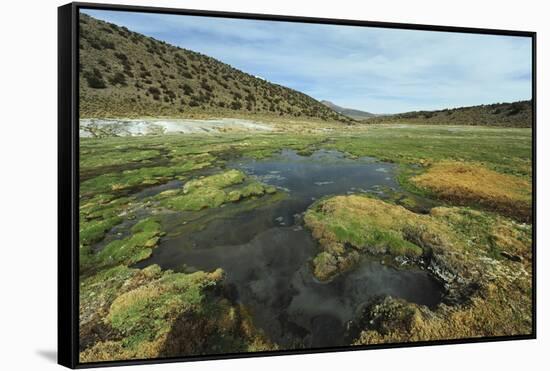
<point>127,74</point>
<point>513,114</point>
<point>349,112</point>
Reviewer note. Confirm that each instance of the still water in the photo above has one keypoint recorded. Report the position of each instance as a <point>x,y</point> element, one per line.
<point>266,253</point>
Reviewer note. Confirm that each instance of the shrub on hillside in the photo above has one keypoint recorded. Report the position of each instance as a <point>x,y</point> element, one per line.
<point>95,79</point>
<point>205,85</point>
<point>187,90</point>
<point>180,59</point>
<point>118,79</point>
<point>154,91</point>
<point>106,44</point>
<point>128,72</point>
<point>170,94</point>
<point>145,74</point>
<point>236,105</point>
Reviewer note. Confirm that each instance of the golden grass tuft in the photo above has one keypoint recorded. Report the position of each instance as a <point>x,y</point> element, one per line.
<point>501,310</point>
<point>473,184</point>
<point>489,294</point>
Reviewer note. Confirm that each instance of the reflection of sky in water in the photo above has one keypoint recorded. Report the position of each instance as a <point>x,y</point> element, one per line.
<point>323,173</point>
<point>266,253</point>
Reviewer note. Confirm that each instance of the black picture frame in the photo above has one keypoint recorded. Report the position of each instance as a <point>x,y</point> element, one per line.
<point>68,180</point>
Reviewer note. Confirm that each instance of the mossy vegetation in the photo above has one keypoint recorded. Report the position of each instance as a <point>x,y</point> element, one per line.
<point>151,313</point>
<point>482,258</point>
<point>462,211</point>
<point>145,236</point>
<point>350,226</point>
<point>506,151</point>
<point>498,309</point>
<point>221,180</point>
<point>212,191</point>
<point>131,187</point>
<point>116,157</point>
<point>130,313</point>
<point>473,184</point>
<point>138,178</point>
<point>98,215</point>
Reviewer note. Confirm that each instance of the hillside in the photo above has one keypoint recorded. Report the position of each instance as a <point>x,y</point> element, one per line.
<point>516,114</point>
<point>349,112</point>
<point>126,74</point>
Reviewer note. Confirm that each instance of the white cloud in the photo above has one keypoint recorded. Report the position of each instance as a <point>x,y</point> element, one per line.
<point>375,69</point>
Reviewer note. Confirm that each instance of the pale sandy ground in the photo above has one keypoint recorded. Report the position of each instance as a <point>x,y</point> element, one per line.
<point>138,127</point>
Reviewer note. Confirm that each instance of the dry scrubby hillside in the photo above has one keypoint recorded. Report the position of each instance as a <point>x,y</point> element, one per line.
<point>349,112</point>
<point>126,74</point>
<point>516,114</point>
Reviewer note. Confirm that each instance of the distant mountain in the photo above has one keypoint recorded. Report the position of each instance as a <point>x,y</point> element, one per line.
<point>516,114</point>
<point>349,112</point>
<point>126,74</point>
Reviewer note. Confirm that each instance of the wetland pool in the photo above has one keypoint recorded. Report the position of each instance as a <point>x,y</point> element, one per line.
<point>266,253</point>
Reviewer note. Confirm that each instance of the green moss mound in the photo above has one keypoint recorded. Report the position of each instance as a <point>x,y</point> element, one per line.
<point>483,260</point>
<point>213,191</point>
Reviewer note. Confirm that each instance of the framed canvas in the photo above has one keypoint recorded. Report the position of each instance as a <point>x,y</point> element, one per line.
<point>236,185</point>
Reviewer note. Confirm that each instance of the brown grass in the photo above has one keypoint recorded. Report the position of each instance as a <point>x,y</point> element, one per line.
<point>487,293</point>
<point>473,184</point>
<point>502,310</point>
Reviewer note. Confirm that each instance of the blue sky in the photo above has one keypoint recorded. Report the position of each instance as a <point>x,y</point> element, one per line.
<point>372,69</point>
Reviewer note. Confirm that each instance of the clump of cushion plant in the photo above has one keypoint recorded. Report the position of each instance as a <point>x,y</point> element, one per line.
<point>213,191</point>
<point>473,184</point>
